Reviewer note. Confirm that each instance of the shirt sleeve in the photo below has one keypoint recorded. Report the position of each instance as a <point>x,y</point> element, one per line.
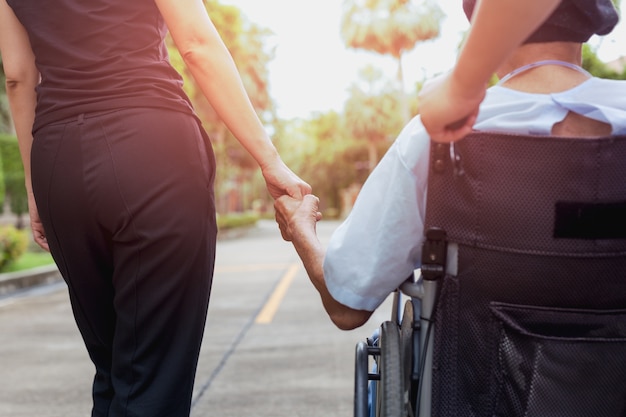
<point>379,245</point>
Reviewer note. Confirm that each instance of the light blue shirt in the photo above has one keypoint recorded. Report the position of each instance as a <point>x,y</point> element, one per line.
<point>379,244</point>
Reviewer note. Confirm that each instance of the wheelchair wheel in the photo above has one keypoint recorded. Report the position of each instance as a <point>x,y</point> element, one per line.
<point>390,392</point>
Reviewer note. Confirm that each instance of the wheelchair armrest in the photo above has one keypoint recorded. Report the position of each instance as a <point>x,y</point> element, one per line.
<point>413,286</point>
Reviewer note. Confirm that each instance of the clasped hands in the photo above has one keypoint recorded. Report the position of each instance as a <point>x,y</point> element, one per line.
<point>296,217</point>
<point>448,111</point>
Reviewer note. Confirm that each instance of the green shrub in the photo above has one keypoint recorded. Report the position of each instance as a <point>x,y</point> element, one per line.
<point>29,260</point>
<point>13,244</point>
<point>13,172</point>
<point>234,220</point>
<point>2,187</point>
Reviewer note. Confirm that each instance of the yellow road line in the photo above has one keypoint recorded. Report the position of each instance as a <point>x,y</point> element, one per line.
<point>266,315</point>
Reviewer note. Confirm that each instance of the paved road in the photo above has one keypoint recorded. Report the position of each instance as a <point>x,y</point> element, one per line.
<point>269,348</point>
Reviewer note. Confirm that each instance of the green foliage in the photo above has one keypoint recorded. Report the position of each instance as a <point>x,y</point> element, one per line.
<point>5,115</point>
<point>323,151</point>
<point>13,171</point>
<point>13,244</point>
<point>29,260</point>
<point>374,115</point>
<point>335,152</point>
<point>235,220</point>
<point>247,44</point>
<point>597,68</point>
<point>2,187</point>
<point>317,149</point>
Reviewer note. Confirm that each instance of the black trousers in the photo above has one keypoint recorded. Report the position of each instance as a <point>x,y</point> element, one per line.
<point>126,200</point>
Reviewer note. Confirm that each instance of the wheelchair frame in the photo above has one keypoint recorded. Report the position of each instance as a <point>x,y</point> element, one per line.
<point>550,221</point>
<point>400,383</point>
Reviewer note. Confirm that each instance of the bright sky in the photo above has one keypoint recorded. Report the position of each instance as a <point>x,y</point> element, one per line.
<point>312,69</point>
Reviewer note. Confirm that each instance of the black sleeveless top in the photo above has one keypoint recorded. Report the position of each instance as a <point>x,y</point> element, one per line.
<point>99,55</point>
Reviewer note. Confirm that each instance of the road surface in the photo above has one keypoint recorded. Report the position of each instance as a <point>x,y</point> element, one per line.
<point>269,349</point>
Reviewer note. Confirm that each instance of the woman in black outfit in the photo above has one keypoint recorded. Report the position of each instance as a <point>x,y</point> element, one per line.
<point>119,174</point>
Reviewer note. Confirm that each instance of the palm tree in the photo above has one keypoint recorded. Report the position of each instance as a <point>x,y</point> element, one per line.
<point>390,27</point>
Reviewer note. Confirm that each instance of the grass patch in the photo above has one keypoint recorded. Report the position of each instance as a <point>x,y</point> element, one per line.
<point>29,260</point>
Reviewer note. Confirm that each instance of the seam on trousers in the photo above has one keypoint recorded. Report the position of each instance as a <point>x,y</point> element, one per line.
<point>134,278</point>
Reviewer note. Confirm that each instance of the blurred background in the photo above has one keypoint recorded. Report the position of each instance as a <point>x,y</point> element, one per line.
<point>333,81</point>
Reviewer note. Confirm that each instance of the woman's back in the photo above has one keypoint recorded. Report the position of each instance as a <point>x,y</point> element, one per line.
<point>98,56</point>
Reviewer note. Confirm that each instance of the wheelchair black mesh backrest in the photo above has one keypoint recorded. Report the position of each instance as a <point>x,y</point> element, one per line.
<point>533,320</point>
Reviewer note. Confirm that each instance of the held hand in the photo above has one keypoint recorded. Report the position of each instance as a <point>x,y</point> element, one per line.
<point>448,112</point>
<point>297,217</point>
<point>281,181</point>
<point>39,235</point>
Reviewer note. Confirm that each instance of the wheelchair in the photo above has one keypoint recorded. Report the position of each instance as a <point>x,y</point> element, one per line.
<point>519,308</point>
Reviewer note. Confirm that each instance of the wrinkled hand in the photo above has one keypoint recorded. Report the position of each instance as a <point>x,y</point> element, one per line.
<point>280,180</point>
<point>297,216</point>
<point>39,235</point>
<point>447,110</point>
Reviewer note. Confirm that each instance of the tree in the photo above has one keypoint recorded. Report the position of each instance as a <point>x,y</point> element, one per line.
<point>322,150</point>
<point>374,114</point>
<point>390,27</point>
<point>246,43</point>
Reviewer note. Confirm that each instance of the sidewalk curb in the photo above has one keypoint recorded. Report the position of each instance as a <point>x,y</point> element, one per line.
<point>14,281</point>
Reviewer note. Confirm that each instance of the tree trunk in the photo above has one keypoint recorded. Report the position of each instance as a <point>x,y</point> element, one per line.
<point>404,104</point>
<point>372,154</point>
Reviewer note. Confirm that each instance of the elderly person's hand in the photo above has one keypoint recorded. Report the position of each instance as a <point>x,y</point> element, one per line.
<point>296,218</point>
<point>448,110</point>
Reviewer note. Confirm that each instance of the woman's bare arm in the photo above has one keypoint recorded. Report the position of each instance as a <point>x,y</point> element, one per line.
<point>22,77</point>
<point>215,72</point>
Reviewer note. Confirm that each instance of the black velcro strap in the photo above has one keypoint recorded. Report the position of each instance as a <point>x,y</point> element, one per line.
<point>582,220</point>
